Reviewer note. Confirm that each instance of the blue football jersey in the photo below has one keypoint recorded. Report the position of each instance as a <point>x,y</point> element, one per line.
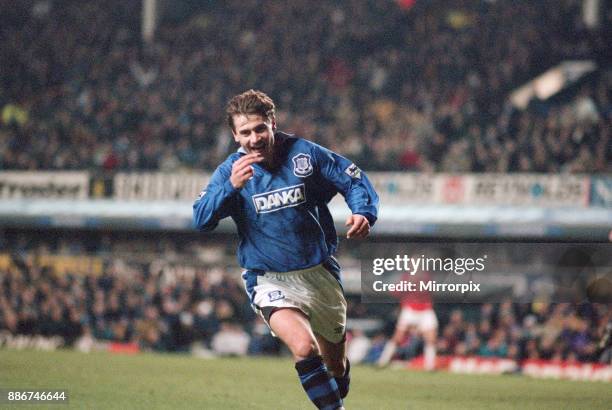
<point>281,214</point>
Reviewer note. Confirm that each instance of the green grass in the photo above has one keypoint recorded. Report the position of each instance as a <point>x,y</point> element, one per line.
<point>149,381</point>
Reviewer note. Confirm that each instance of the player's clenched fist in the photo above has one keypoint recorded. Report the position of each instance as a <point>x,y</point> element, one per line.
<point>242,169</point>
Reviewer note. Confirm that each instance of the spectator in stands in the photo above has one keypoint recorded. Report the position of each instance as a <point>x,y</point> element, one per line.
<point>426,91</point>
<point>230,340</point>
<point>136,302</point>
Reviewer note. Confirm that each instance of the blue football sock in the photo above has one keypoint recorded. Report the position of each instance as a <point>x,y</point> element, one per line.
<point>344,381</point>
<point>320,387</point>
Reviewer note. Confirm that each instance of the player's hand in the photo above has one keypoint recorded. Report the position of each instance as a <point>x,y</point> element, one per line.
<point>242,170</point>
<point>360,227</point>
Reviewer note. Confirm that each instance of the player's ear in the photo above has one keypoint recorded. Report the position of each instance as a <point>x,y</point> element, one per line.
<point>273,124</point>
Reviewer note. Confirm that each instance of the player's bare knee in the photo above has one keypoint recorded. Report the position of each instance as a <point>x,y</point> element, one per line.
<point>303,349</point>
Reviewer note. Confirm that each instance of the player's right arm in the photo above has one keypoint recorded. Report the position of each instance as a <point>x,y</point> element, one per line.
<point>218,199</point>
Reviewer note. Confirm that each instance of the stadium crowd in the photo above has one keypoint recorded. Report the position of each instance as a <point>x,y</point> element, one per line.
<point>416,86</point>
<point>205,311</point>
<point>126,303</point>
<point>541,330</point>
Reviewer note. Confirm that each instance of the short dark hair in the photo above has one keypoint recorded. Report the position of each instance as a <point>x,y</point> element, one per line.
<point>247,103</point>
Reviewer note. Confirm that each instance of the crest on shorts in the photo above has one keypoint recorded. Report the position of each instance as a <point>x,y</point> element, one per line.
<point>302,167</point>
<point>353,171</point>
<point>275,295</point>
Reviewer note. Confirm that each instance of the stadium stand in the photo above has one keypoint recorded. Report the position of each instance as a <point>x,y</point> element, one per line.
<point>81,92</point>
<point>142,298</point>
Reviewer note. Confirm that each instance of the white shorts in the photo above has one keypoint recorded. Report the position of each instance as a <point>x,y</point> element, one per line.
<point>424,320</point>
<point>315,291</point>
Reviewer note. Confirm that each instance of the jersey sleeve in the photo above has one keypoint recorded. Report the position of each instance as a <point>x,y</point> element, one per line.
<point>349,180</point>
<point>216,201</point>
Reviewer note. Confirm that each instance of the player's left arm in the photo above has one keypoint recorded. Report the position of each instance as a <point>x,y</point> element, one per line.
<point>354,185</point>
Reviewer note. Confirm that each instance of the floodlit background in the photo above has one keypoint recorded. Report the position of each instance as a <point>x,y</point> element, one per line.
<point>477,120</point>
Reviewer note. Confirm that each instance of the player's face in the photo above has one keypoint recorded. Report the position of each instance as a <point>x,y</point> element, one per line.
<point>255,134</point>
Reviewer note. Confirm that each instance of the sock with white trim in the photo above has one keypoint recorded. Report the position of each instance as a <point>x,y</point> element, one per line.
<point>320,387</point>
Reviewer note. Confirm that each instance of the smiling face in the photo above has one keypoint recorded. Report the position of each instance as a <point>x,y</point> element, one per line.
<point>255,134</point>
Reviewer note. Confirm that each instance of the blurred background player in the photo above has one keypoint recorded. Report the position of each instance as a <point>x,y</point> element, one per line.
<point>276,189</point>
<point>416,313</point>
<point>604,347</point>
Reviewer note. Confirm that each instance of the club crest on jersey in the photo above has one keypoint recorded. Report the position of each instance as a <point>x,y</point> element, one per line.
<point>201,194</point>
<point>302,167</point>
<point>279,199</point>
<point>353,171</point>
<point>276,295</point>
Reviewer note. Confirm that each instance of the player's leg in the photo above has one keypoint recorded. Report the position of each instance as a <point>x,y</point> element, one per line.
<point>391,345</point>
<point>428,326</point>
<point>401,328</point>
<point>605,342</point>
<point>334,356</point>
<point>293,328</point>
<point>328,321</point>
<point>429,350</point>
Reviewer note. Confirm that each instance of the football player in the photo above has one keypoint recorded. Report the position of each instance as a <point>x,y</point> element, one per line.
<point>276,189</point>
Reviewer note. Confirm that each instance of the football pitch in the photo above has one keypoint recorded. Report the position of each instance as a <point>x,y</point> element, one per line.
<point>156,381</point>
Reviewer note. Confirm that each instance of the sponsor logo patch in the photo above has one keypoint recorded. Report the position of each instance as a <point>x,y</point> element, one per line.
<point>279,199</point>
<point>353,171</point>
<point>276,295</point>
<point>302,167</point>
